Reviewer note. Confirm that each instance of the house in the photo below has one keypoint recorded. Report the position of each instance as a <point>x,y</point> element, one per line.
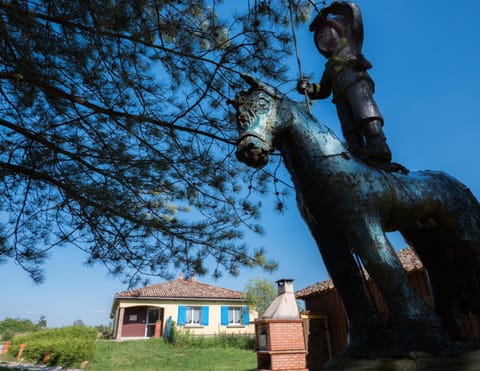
<point>326,323</point>
<point>195,307</point>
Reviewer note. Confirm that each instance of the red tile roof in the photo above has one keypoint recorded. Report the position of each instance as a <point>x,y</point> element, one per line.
<point>407,256</point>
<point>182,288</point>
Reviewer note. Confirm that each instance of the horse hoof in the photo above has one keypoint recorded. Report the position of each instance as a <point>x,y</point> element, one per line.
<point>368,340</point>
<point>418,336</point>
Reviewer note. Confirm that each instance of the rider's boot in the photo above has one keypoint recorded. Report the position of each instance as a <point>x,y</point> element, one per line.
<point>376,146</point>
<point>375,151</point>
<point>355,141</point>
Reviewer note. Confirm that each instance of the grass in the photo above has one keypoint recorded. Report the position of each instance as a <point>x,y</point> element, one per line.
<point>155,354</point>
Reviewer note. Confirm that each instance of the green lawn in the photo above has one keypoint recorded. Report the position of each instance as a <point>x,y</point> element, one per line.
<point>153,354</point>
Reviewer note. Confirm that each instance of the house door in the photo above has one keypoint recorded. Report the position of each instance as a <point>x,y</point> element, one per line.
<point>153,315</point>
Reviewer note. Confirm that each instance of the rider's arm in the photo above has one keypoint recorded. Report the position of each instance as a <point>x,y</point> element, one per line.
<point>321,90</point>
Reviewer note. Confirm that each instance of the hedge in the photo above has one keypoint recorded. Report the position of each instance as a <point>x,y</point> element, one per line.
<point>68,346</point>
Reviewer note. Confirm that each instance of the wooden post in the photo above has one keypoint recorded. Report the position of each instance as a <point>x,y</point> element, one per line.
<point>47,356</point>
<point>6,346</point>
<point>20,351</point>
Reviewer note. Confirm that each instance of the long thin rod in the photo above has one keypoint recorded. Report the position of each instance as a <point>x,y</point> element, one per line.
<point>292,24</point>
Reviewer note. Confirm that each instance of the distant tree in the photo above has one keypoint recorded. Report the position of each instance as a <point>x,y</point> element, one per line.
<point>105,331</point>
<point>260,293</point>
<point>78,322</point>
<point>42,323</point>
<point>115,136</point>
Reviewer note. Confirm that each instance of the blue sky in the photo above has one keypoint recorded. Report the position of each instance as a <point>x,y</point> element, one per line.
<point>425,57</point>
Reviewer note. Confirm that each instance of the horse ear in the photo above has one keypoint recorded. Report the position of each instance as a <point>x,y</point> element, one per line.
<point>257,84</point>
<point>252,81</point>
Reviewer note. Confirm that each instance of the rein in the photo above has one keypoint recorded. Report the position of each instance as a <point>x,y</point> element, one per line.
<point>292,24</point>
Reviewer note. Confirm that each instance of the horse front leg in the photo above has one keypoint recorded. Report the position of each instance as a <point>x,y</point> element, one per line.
<point>414,325</point>
<point>366,329</point>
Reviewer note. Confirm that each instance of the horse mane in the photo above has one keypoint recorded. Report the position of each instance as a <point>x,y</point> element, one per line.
<point>300,109</point>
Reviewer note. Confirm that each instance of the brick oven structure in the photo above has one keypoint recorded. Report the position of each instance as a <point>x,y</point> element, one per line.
<point>280,342</point>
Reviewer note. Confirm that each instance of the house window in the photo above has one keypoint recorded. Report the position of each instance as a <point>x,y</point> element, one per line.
<point>192,316</point>
<point>234,316</point>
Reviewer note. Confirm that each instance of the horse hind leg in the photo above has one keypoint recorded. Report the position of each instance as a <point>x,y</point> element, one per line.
<point>449,248</point>
<point>460,221</point>
<point>429,244</point>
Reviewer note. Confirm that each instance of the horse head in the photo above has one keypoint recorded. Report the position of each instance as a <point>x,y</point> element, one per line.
<point>256,111</point>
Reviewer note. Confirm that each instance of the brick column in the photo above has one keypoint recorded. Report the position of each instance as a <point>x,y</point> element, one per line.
<point>158,329</point>
<point>284,345</point>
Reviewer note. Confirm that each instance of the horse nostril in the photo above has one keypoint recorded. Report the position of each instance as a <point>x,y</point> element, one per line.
<point>240,155</point>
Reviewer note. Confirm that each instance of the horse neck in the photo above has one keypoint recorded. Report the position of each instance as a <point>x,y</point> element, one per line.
<point>304,131</point>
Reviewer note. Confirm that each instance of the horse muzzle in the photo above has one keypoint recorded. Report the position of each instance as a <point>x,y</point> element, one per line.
<point>252,151</point>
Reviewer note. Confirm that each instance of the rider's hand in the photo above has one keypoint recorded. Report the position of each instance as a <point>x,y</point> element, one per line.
<point>304,86</point>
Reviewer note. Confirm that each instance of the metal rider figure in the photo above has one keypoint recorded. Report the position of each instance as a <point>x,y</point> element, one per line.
<point>338,35</point>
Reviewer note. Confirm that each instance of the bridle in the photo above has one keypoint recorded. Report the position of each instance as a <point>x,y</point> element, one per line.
<point>252,133</point>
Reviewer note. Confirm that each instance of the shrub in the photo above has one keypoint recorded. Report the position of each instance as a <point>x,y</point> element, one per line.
<point>172,336</point>
<point>218,341</point>
<point>11,326</point>
<point>236,341</point>
<point>68,346</point>
<point>7,335</point>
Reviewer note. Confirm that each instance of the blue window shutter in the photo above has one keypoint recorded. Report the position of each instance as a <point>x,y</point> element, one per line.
<point>182,315</point>
<point>245,316</point>
<point>224,316</point>
<point>204,319</point>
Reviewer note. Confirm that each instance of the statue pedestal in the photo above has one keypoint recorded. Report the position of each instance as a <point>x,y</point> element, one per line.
<point>465,361</point>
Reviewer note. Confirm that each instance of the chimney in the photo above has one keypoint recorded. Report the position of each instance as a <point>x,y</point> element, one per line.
<point>284,286</point>
<point>285,305</point>
<point>180,276</point>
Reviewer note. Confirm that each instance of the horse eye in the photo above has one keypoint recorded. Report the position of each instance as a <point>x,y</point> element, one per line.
<point>262,103</point>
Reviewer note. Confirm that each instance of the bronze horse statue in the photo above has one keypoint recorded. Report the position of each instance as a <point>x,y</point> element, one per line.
<point>349,205</point>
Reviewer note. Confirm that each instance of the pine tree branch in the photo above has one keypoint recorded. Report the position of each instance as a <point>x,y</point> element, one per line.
<point>63,21</point>
<point>103,110</point>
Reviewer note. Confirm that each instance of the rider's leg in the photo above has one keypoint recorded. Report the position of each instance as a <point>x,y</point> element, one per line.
<point>365,117</point>
<point>353,136</point>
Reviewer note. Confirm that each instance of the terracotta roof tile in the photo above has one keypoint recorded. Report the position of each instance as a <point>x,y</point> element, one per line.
<point>407,257</point>
<point>181,288</point>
